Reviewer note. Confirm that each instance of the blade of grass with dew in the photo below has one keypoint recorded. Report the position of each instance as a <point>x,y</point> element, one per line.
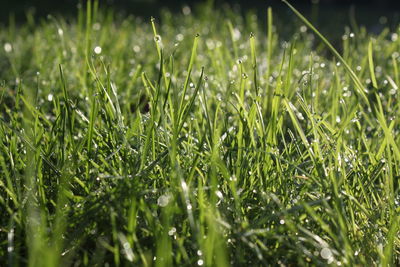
<point>354,77</point>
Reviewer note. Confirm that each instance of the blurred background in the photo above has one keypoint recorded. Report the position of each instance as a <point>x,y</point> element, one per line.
<point>374,14</point>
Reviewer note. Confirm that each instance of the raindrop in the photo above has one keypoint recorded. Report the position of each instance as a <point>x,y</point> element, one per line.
<point>200,262</point>
<point>60,32</point>
<point>50,97</point>
<point>244,76</point>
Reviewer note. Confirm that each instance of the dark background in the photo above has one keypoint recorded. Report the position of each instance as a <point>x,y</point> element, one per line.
<point>368,12</point>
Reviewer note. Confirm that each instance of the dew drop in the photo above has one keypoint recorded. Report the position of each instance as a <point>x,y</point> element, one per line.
<point>219,194</point>
<point>136,49</point>
<point>96,26</point>
<point>97,50</point>
<point>157,38</point>
<point>7,47</point>
<point>164,200</point>
<point>326,253</point>
<point>186,10</point>
<point>172,231</point>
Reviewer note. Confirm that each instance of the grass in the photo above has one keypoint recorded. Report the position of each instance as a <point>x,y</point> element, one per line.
<point>185,140</point>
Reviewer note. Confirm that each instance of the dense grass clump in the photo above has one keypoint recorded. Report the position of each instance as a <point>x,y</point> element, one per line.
<point>197,139</point>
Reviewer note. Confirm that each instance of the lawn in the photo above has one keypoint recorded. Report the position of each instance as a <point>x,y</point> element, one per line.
<point>204,138</point>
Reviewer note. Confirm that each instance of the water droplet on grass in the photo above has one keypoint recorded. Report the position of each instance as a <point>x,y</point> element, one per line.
<point>186,10</point>
<point>97,50</point>
<point>157,38</point>
<point>179,37</point>
<point>200,262</point>
<point>164,200</point>
<point>96,26</point>
<point>326,253</point>
<point>7,47</point>
<point>136,49</point>
<point>50,97</point>
<point>172,231</point>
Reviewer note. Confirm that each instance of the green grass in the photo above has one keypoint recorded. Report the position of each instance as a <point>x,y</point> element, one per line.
<point>200,139</point>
